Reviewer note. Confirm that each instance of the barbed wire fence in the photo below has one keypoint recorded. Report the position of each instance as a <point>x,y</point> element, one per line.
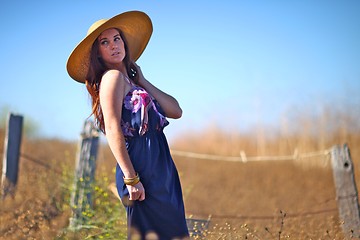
<point>243,158</point>
<point>342,165</point>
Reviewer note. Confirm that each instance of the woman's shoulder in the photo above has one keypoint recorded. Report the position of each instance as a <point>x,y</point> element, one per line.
<point>112,80</point>
<point>112,74</point>
<point>113,77</point>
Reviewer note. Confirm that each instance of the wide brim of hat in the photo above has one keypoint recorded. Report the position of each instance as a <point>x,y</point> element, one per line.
<point>137,29</point>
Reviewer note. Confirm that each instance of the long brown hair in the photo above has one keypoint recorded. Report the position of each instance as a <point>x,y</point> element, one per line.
<point>96,70</point>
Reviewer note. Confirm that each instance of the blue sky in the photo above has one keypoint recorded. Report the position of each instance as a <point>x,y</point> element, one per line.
<point>234,64</point>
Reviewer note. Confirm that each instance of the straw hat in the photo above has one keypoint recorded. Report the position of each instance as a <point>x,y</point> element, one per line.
<point>136,27</point>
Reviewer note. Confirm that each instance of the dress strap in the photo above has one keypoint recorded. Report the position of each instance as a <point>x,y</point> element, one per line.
<point>129,81</point>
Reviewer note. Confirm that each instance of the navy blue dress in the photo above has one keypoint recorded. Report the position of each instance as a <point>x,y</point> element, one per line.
<point>162,212</point>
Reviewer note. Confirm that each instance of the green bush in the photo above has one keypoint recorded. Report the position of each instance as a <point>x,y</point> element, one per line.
<point>106,219</point>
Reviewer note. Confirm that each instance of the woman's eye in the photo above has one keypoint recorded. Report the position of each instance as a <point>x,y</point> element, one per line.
<point>104,42</point>
<point>117,38</point>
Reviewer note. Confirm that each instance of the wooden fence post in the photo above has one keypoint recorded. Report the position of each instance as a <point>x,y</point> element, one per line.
<point>12,145</point>
<point>346,191</point>
<point>81,199</point>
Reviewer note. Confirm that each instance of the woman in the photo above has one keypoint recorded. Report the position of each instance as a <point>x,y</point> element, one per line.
<point>132,113</point>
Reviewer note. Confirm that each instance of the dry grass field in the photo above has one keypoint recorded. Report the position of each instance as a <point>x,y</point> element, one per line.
<point>257,200</point>
<point>252,200</point>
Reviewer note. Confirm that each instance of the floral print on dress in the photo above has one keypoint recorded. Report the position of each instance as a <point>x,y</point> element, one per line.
<point>139,102</point>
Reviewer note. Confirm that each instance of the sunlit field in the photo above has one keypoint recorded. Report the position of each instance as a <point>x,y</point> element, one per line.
<point>281,199</point>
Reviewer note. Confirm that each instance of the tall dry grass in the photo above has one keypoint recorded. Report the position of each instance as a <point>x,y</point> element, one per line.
<point>299,131</point>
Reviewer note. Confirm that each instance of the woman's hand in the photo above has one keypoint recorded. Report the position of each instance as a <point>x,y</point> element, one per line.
<point>136,192</point>
<point>168,103</point>
<point>140,77</point>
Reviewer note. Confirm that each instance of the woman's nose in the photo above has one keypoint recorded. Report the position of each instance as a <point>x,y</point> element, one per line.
<point>113,45</point>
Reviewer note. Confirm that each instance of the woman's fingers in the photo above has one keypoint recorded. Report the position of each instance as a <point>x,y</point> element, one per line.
<point>132,196</point>
<point>136,192</point>
<point>142,196</point>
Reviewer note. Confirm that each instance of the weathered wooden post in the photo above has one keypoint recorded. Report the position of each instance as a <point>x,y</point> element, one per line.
<point>12,145</point>
<point>81,199</point>
<point>346,191</point>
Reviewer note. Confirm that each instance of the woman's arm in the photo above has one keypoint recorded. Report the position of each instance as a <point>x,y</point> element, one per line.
<point>112,91</point>
<point>168,103</point>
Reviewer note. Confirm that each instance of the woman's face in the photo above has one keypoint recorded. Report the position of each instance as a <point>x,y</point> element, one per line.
<point>111,48</point>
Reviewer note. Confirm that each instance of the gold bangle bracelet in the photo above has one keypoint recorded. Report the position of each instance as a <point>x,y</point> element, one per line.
<point>132,181</point>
